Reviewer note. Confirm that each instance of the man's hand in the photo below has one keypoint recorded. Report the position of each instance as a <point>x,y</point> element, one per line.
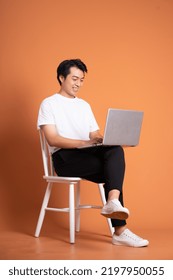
<point>98,140</point>
<point>96,137</point>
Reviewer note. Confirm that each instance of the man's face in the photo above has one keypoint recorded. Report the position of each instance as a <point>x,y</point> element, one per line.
<point>72,83</point>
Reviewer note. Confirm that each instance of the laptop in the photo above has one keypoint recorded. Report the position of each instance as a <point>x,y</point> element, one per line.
<point>123,127</point>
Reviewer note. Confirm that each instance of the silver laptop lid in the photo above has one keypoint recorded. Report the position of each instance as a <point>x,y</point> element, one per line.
<point>123,127</point>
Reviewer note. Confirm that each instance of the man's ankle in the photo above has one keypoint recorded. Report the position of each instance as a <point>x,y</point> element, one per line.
<point>119,229</point>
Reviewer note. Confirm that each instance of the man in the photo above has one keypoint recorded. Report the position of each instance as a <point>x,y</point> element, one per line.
<point>69,124</point>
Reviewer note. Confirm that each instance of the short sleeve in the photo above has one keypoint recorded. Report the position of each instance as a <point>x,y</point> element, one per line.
<point>45,115</point>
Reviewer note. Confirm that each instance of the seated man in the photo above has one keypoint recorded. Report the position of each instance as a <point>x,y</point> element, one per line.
<point>69,123</point>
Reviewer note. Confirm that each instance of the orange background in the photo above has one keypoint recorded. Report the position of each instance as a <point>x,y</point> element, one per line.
<point>127,46</point>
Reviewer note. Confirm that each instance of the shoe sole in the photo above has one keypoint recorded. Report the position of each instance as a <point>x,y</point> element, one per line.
<point>116,215</point>
<point>118,243</point>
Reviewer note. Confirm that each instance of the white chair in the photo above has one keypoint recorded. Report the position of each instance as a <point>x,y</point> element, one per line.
<point>73,208</point>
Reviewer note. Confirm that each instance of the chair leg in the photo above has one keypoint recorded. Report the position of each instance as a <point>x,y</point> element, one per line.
<point>43,207</point>
<point>77,213</point>
<point>71,213</point>
<point>102,194</point>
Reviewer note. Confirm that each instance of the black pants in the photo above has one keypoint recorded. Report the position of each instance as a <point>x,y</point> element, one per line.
<point>99,164</point>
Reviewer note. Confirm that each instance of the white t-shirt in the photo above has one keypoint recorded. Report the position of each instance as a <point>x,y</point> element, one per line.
<point>72,117</point>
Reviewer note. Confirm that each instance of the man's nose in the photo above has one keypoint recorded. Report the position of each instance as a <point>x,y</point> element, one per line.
<point>78,83</point>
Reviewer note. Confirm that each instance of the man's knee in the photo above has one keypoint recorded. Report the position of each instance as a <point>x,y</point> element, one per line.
<point>118,150</point>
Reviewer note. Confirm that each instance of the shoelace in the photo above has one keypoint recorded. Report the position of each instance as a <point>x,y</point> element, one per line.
<point>131,235</point>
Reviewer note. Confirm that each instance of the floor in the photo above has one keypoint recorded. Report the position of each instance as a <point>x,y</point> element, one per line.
<point>53,245</point>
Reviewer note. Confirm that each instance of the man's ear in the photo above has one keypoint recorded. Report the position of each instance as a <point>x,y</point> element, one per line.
<point>61,78</point>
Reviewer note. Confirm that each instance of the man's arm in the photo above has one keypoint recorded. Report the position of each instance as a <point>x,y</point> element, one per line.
<point>56,140</point>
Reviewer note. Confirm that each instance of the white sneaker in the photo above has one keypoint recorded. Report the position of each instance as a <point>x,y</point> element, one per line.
<point>128,238</point>
<point>114,210</point>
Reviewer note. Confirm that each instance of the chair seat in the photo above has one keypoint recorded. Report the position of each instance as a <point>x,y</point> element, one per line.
<point>62,179</point>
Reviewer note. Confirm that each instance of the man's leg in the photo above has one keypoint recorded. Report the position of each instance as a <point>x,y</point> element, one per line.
<point>78,162</point>
<point>98,164</point>
<point>114,170</point>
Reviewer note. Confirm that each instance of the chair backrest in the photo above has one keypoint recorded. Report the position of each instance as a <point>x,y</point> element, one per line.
<point>46,156</point>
